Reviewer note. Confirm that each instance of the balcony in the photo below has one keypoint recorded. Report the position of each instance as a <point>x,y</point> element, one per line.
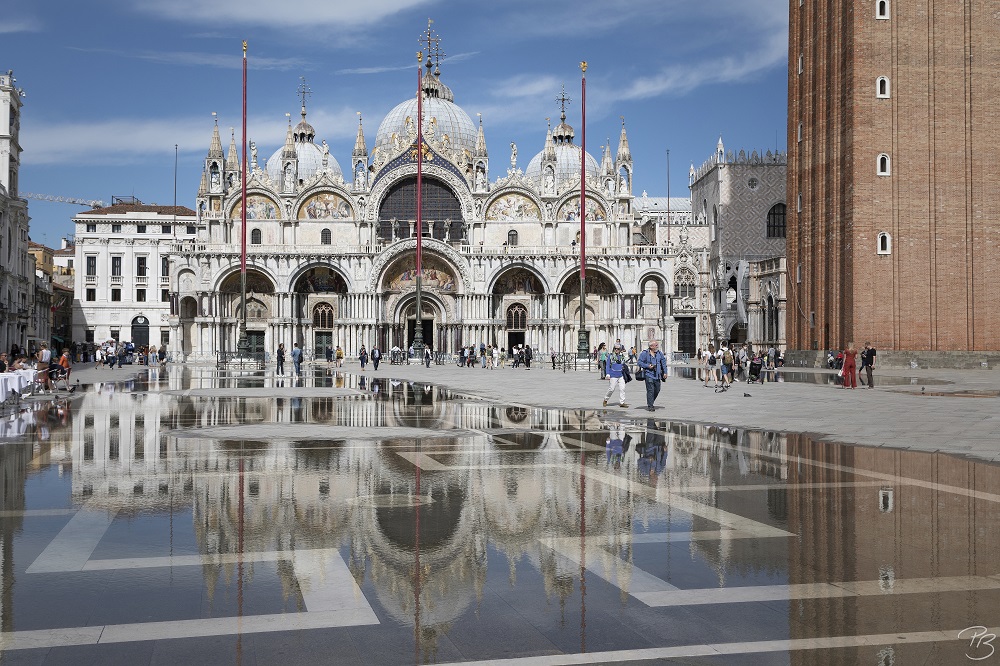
<point>116,279</point>
<point>164,280</point>
<point>141,280</point>
<point>90,279</point>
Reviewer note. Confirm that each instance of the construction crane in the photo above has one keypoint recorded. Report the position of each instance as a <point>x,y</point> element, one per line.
<point>93,203</point>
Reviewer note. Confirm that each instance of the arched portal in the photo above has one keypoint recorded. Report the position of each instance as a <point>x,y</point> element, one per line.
<point>188,311</point>
<point>318,303</point>
<point>397,285</point>
<point>441,210</point>
<point>518,295</point>
<point>259,306</point>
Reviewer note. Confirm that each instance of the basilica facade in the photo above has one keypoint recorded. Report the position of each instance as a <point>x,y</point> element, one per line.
<point>331,251</point>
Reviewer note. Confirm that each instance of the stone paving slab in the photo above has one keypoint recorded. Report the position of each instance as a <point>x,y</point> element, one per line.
<point>897,416</point>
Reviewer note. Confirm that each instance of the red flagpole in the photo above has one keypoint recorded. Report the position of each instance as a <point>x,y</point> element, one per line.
<point>583,339</point>
<point>243,180</point>
<point>420,172</point>
<point>583,174</point>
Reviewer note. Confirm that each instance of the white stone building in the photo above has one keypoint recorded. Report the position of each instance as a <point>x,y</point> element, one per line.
<point>17,268</point>
<point>122,268</point>
<point>331,252</point>
<point>742,199</point>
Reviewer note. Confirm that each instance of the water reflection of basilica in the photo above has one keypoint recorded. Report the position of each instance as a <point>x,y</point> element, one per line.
<point>484,481</point>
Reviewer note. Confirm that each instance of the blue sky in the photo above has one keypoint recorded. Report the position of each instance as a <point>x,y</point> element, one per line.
<point>113,85</point>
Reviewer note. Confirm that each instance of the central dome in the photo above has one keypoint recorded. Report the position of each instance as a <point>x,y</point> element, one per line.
<point>560,148</point>
<point>440,111</point>
<point>309,155</point>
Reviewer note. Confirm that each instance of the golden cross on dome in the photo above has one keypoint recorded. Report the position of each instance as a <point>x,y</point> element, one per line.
<point>433,42</point>
<point>563,99</point>
<point>303,90</point>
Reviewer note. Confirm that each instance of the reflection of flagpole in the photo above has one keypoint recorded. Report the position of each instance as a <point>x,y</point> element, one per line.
<point>583,341</point>
<point>242,344</point>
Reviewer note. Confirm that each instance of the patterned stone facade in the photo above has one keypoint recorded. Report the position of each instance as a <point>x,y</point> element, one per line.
<point>741,198</point>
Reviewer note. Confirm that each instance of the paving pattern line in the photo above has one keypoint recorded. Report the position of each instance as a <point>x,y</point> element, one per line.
<point>750,647</point>
<point>755,593</point>
<point>76,541</point>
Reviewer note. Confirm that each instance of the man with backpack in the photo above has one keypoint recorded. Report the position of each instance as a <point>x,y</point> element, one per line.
<point>727,362</point>
<point>653,365</point>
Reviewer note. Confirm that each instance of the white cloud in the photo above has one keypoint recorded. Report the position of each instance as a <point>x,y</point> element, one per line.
<point>133,140</point>
<point>303,13</point>
<point>200,59</point>
<point>682,79</point>
<point>11,25</point>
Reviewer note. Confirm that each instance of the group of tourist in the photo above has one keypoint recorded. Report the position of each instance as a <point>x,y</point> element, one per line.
<point>721,366</point>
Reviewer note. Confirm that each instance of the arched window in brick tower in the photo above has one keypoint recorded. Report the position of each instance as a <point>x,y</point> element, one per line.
<point>884,165</point>
<point>882,9</point>
<point>884,243</point>
<point>882,89</point>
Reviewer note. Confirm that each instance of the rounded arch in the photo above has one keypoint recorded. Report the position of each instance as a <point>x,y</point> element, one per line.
<point>408,171</point>
<point>186,280</point>
<point>388,257</point>
<point>568,208</point>
<point>569,281</point>
<point>430,303</point>
<point>188,307</point>
<point>439,203</point>
<point>319,278</point>
<point>401,274</point>
<point>514,272</point>
<point>324,203</point>
<point>512,204</point>
<point>263,206</point>
<point>258,281</point>
<point>656,275</point>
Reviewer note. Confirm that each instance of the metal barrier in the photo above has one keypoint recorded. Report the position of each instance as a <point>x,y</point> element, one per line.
<point>239,361</point>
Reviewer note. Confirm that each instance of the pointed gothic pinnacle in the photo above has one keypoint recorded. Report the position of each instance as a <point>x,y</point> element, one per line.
<point>624,153</point>
<point>215,150</point>
<point>359,143</point>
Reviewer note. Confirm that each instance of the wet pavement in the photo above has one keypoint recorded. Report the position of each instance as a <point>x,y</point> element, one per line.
<point>192,516</point>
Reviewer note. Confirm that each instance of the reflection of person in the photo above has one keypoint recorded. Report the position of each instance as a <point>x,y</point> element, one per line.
<point>654,367</point>
<point>615,445</point>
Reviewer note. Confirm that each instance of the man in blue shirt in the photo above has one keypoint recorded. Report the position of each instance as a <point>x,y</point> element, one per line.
<point>654,368</point>
<point>297,359</point>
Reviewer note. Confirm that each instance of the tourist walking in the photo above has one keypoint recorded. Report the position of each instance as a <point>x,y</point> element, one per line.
<point>297,359</point>
<point>339,357</point>
<point>527,357</point>
<point>602,357</point>
<point>428,355</point>
<point>363,357</point>
<point>552,353</point>
<point>726,355</point>
<point>711,363</point>
<point>615,364</point>
<point>280,359</point>
<point>849,370</point>
<point>654,370</point>
<point>868,363</point>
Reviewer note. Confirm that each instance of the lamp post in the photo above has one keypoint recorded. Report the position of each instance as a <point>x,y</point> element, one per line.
<point>583,341</point>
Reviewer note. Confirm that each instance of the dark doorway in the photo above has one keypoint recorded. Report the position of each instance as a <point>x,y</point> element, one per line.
<point>428,327</point>
<point>323,340</point>
<point>255,342</point>
<point>514,338</point>
<point>140,332</point>
<point>687,338</point>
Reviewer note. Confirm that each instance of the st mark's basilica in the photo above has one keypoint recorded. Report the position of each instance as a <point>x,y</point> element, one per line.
<point>331,253</point>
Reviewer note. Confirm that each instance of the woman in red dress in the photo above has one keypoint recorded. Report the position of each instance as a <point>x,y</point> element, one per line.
<point>850,366</point>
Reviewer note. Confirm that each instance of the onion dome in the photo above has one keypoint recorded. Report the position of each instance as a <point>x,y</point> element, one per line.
<point>441,116</point>
<point>567,156</point>
<point>299,144</point>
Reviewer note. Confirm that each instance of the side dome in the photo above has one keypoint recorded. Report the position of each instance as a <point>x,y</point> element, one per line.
<point>441,116</point>
<point>563,154</point>
<point>309,155</point>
